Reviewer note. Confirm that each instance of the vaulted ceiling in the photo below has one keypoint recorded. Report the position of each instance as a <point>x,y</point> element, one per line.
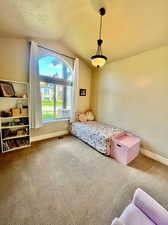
<point>129,26</point>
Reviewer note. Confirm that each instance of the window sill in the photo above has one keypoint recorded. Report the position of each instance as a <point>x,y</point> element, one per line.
<point>55,121</point>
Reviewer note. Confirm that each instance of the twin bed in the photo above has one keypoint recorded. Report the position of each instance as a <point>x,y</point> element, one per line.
<point>96,134</point>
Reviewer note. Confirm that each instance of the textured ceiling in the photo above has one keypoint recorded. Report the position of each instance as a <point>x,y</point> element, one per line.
<point>129,26</point>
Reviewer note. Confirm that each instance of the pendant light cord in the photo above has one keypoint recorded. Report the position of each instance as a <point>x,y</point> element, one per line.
<point>100,30</point>
<point>99,50</point>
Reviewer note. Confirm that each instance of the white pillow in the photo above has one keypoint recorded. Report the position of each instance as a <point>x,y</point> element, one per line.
<point>89,115</point>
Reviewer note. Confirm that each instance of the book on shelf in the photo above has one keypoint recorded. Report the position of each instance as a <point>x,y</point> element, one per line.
<point>13,133</point>
<point>16,122</point>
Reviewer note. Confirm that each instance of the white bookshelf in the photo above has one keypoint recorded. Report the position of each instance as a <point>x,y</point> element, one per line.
<point>13,117</point>
<point>14,81</point>
<point>15,98</point>
<point>17,148</point>
<point>12,127</point>
<point>15,130</point>
<point>14,137</point>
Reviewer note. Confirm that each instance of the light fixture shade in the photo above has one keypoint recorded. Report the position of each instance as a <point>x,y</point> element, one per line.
<point>98,60</point>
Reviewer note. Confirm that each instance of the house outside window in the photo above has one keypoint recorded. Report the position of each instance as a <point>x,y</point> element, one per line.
<point>56,88</point>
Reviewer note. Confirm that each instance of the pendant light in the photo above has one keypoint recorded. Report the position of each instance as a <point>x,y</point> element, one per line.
<point>99,59</point>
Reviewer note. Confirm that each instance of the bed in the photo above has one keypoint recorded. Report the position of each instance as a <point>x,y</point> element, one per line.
<point>96,134</point>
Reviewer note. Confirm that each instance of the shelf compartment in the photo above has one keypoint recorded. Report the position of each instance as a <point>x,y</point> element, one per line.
<point>14,117</point>
<point>13,98</point>
<point>16,148</point>
<point>14,81</point>
<point>15,137</point>
<point>17,126</point>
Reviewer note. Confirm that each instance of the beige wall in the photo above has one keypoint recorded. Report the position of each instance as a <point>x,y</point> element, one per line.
<point>13,59</point>
<point>133,94</point>
<point>84,82</point>
<point>14,66</point>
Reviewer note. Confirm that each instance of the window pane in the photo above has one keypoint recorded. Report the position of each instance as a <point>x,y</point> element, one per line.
<point>47,98</point>
<point>56,101</point>
<point>55,94</point>
<point>69,74</point>
<point>63,101</point>
<point>69,98</point>
<point>51,66</point>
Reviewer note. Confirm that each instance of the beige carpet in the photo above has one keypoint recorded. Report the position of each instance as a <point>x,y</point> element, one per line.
<point>66,182</point>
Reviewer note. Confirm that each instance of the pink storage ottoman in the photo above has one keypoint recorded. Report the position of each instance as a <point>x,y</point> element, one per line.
<point>125,147</point>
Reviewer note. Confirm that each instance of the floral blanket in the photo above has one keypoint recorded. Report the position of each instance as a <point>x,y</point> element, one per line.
<point>96,134</point>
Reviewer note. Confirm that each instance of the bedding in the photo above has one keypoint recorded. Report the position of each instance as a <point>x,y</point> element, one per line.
<point>96,134</point>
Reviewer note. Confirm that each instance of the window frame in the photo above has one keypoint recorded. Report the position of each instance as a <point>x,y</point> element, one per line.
<point>57,81</point>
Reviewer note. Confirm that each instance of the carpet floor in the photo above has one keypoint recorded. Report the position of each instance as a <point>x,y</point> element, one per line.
<point>66,182</point>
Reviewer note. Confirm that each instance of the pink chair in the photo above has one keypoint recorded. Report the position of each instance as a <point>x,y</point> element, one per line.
<point>143,210</point>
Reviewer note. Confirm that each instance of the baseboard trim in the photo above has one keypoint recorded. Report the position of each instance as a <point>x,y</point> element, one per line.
<point>154,156</point>
<point>49,135</point>
<point>144,151</point>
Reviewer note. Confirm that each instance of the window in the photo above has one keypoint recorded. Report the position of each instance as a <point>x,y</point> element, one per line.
<point>56,88</point>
